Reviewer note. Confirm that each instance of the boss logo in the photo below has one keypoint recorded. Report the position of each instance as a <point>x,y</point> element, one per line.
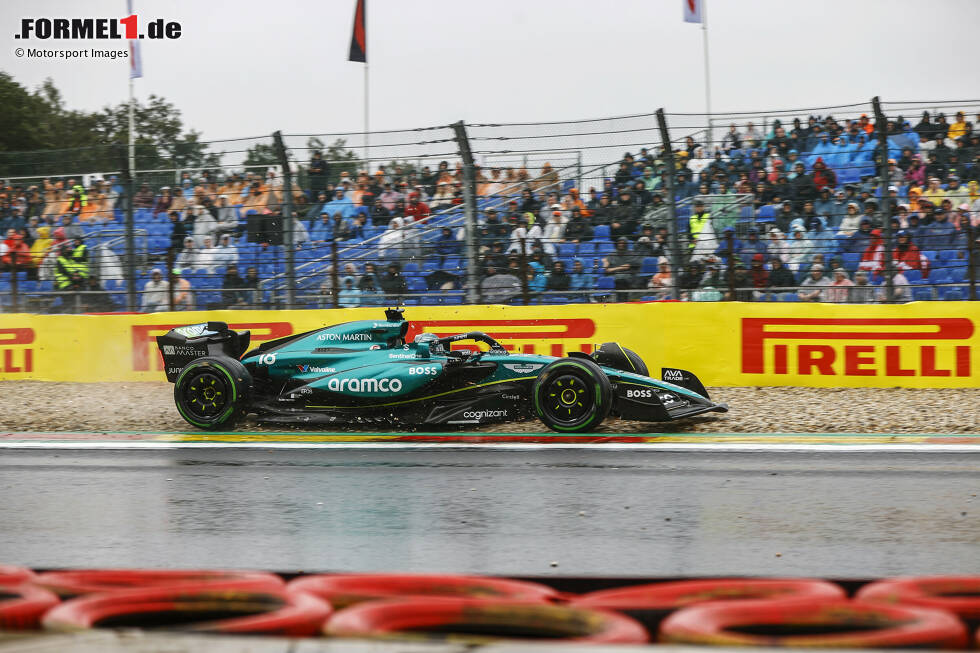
<point>639,394</point>
<point>423,371</point>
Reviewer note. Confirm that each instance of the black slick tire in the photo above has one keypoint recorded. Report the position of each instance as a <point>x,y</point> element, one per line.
<point>212,392</point>
<point>572,395</point>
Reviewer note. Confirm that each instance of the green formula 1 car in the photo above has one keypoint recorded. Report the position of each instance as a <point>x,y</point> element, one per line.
<point>366,373</point>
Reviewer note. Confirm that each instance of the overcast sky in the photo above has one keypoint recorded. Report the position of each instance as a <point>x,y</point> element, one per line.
<point>249,67</point>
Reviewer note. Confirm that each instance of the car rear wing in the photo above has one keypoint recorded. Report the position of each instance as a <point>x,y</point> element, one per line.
<point>184,344</point>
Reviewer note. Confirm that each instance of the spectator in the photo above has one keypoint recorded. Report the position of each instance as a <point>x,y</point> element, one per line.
<point>183,295</point>
<point>759,276</point>
<point>318,171</point>
<point>861,292</point>
<point>226,221</point>
<point>234,292</point>
<point>813,285</point>
<point>17,255</point>
<point>779,275</point>
<point>227,252</point>
<point>622,264</point>
<point>554,231</point>
<point>349,295</point>
<point>536,279</point>
<point>443,197</point>
<point>187,258</point>
<point>906,256</point>
<point>900,288</point>
<point>40,246</point>
<point>752,245</point>
<point>839,291</point>
<point>661,283</point>
<point>204,225</point>
<point>393,283</point>
<point>416,211</point>
<point>143,198</point>
<point>852,220</point>
<point>208,257</point>
<point>340,204</point>
<point>393,242</point>
<point>164,202</point>
<point>369,279</point>
<point>581,279</point>
<point>558,280</point>
<point>155,296</point>
<point>71,229</point>
<point>938,235</point>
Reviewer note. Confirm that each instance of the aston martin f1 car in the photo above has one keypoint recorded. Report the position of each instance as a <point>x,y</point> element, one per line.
<point>368,373</point>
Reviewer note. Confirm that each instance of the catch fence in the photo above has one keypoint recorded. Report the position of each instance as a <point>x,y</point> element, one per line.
<point>859,203</point>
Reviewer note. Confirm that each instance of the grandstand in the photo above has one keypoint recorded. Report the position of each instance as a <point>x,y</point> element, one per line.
<point>783,206</point>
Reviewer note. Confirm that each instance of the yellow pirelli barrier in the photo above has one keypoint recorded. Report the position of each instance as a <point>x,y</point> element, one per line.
<point>917,345</point>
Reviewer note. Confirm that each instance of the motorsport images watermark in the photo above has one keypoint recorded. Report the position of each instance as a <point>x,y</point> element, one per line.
<point>86,53</point>
<point>127,28</point>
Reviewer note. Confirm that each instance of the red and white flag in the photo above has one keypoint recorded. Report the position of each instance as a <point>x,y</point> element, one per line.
<point>692,11</point>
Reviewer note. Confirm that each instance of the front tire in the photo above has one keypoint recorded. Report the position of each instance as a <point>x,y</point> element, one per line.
<point>572,395</point>
<point>212,392</point>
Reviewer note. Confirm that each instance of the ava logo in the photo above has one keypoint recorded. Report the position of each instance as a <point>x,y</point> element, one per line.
<point>523,368</point>
<point>345,337</point>
<point>484,414</point>
<point>673,376</point>
<point>306,369</point>
<point>344,384</point>
<point>922,346</point>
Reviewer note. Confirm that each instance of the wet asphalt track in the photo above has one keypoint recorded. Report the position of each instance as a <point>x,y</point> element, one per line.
<point>593,512</point>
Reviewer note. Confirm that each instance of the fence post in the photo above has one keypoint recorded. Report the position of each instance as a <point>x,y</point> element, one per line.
<point>287,219</point>
<point>335,272</point>
<point>14,269</point>
<point>170,278</point>
<point>469,209</point>
<point>525,289</point>
<point>730,265</point>
<point>672,240</point>
<point>130,272</point>
<point>881,127</point>
<point>971,248</point>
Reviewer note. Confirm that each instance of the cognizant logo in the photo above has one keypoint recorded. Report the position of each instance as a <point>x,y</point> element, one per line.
<point>364,385</point>
<point>483,414</point>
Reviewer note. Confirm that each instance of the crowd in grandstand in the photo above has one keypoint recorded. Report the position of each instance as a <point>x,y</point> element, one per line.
<point>794,213</point>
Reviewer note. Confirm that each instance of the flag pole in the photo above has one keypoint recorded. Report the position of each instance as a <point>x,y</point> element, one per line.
<point>367,135</point>
<point>132,146</point>
<point>707,78</point>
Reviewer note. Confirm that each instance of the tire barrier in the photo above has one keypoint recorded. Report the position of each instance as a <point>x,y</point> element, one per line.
<point>809,623</point>
<point>23,605</point>
<point>11,575</point>
<point>342,590</point>
<point>68,584</point>
<point>650,604</point>
<point>957,594</point>
<point>481,621</point>
<point>200,608</point>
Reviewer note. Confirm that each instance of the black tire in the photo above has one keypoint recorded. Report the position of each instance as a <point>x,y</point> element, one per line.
<point>560,409</point>
<point>212,392</point>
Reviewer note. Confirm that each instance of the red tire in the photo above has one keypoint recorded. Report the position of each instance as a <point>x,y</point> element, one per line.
<point>651,603</point>
<point>808,623</point>
<point>201,608</point>
<point>11,575</point>
<point>23,605</point>
<point>342,590</point>
<point>481,621</point>
<point>67,584</point>
<point>957,594</point>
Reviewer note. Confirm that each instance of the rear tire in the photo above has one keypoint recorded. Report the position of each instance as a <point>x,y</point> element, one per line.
<point>212,392</point>
<point>572,395</point>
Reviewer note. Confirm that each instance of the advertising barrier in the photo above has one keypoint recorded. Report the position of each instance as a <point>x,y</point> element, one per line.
<point>917,345</point>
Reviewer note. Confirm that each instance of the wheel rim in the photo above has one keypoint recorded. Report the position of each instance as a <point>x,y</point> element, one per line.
<point>205,395</point>
<point>567,399</point>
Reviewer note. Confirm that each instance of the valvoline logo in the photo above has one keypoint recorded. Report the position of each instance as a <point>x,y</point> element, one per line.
<point>305,369</point>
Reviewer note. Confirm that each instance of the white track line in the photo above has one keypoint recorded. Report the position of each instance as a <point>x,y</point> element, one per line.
<point>707,447</point>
